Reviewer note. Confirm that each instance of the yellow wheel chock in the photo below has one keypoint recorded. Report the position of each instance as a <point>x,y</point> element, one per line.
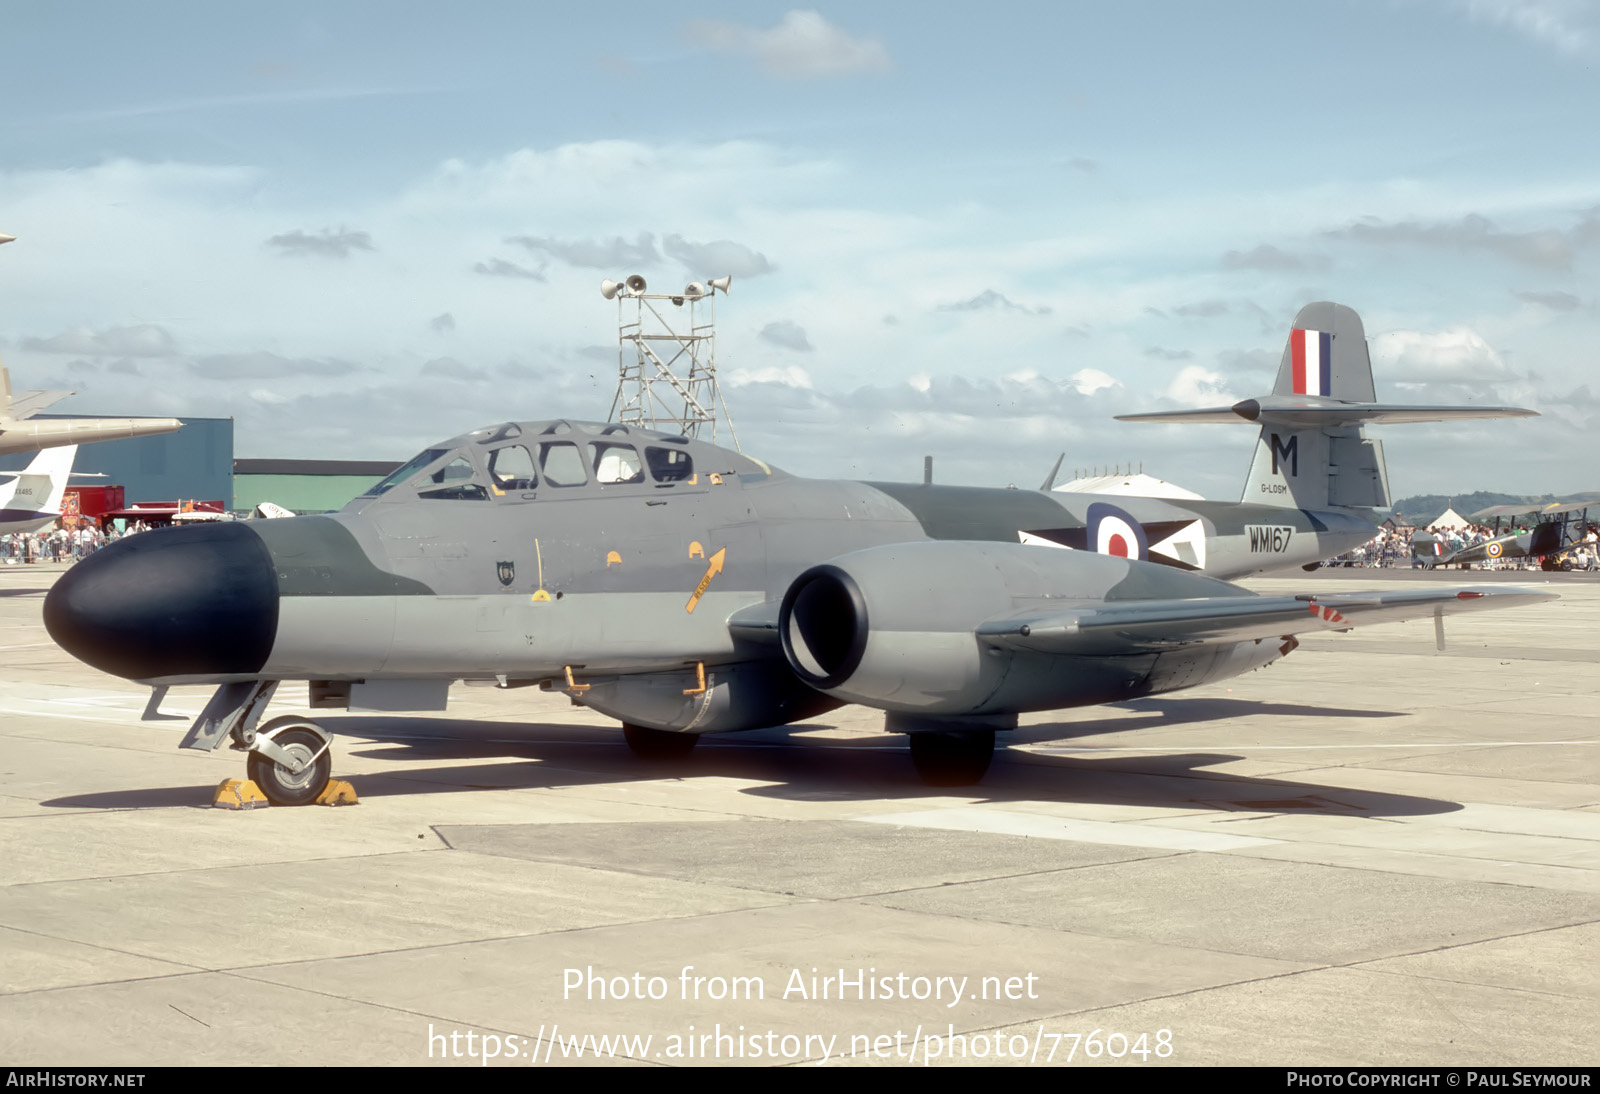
<point>338,792</point>
<point>238,794</point>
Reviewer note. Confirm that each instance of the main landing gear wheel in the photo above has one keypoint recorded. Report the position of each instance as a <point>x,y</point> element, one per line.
<point>658,744</point>
<point>277,782</point>
<point>952,758</point>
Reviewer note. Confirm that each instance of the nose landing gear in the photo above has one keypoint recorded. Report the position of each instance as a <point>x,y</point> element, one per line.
<point>288,758</point>
<point>290,762</point>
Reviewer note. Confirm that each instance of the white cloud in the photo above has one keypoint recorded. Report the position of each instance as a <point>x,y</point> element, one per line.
<point>327,243</point>
<point>788,334</point>
<point>1555,300</point>
<point>1267,257</point>
<point>266,366</point>
<point>614,254</point>
<point>1564,24</point>
<point>1197,386</point>
<point>1547,248</point>
<point>718,258</point>
<point>144,340</point>
<point>802,44</point>
<point>613,187</point>
<point>1087,381</point>
<point>990,300</point>
<point>499,267</point>
<point>179,249</point>
<point>1459,355</point>
<point>787,375</point>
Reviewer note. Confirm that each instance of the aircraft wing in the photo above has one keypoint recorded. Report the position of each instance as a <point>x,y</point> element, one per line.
<point>1164,624</point>
<point>1505,511</point>
<point>1556,508</point>
<point>1576,503</point>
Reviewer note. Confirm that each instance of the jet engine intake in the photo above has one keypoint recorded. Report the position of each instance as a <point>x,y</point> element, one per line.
<point>823,626</point>
<point>895,627</point>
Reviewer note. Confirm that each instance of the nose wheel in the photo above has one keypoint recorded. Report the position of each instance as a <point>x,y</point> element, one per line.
<point>290,761</point>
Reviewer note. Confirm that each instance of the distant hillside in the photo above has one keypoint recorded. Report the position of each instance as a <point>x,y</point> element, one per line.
<point>1425,507</point>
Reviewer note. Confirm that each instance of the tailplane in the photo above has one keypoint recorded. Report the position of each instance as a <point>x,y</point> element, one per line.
<point>1313,452</point>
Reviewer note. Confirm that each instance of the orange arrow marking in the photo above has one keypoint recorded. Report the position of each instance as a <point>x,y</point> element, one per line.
<point>705,582</point>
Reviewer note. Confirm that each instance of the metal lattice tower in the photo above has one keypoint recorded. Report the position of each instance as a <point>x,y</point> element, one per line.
<point>666,373</point>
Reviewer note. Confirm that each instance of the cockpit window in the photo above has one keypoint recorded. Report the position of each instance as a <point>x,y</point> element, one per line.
<point>562,464</point>
<point>511,468</point>
<point>455,483</point>
<point>616,463</point>
<point>456,470</point>
<point>669,464</point>
<point>405,471</point>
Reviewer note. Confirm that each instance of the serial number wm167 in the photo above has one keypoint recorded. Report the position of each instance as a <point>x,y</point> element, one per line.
<point>1268,538</point>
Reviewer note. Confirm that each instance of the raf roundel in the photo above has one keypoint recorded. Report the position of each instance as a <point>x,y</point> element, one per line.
<point>1114,531</point>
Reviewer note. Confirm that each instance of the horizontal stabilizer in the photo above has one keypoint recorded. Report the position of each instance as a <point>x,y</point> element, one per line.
<point>25,404</point>
<point>1306,413</point>
<point>1311,452</point>
<point>1163,624</point>
<point>29,403</point>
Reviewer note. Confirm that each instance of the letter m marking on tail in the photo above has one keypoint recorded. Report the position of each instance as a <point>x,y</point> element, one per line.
<point>1286,453</point>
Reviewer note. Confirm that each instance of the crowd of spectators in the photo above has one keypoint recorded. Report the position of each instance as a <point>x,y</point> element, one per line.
<point>1395,547</point>
<point>61,544</point>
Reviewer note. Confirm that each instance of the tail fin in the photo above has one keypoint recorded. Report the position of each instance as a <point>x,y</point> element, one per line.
<point>41,486</point>
<point>1330,465</point>
<point>1326,356</point>
<point>1329,468</point>
<point>1312,452</point>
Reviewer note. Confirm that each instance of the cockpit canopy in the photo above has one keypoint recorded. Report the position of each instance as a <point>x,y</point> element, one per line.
<point>521,460</point>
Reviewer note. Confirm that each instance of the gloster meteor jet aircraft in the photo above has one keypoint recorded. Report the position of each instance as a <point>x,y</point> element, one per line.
<point>686,589</point>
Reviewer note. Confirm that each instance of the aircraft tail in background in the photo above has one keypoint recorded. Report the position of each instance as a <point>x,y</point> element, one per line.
<point>1313,452</point>
<point>32,498</point>
<point>21,431</point>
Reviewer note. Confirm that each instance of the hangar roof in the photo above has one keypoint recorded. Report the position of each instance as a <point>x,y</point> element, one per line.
<point>314,467</point>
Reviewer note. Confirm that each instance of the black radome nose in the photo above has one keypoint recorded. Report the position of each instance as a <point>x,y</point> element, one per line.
<point>176,602</point>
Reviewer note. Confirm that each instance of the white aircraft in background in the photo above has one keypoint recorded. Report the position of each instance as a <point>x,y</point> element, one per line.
<point>30,499</point>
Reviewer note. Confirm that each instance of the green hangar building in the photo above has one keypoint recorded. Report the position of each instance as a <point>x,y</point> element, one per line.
<point>304,486</point>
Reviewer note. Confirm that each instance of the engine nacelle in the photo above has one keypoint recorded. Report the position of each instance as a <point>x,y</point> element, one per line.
<point>895,627</point>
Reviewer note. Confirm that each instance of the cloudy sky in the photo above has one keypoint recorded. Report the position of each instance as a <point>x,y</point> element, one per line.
<point>970,232</point>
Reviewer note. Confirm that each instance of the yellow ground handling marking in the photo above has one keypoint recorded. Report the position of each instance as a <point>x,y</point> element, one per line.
<point>573,687</point>
<point>540,596</point>
<point>705,582</point>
